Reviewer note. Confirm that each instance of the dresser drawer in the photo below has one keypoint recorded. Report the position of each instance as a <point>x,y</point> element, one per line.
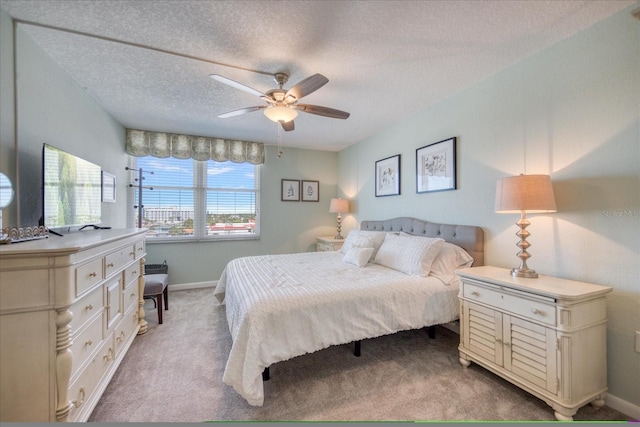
<point>131,273</point>
<point>85,385</point>
<point>88,275</point>
<point>139,248</point>
<point>85,343</point>
<point>116,261</point>
<point>527,308</point>
<point>130,295</point>
<point>126,327</point>
<point>85,308</point>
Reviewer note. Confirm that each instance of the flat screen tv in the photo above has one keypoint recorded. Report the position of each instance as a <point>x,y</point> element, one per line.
<point>71,189</point>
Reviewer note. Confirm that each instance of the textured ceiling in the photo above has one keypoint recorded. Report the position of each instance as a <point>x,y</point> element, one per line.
<point>148,62</point>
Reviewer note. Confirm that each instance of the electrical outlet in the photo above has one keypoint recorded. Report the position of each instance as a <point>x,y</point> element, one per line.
<point>638,341</point>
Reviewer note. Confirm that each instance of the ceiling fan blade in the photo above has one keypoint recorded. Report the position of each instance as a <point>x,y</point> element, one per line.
<point>307,86</point>
<point>322,111</point>
<point>287,126</point>
<point>241,111</point>
<point>236,85</point>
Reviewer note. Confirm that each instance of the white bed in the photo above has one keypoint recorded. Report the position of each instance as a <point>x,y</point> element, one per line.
<point>282,306</point>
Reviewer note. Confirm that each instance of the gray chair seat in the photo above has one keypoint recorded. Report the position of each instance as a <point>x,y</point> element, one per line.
<point>155,286</point>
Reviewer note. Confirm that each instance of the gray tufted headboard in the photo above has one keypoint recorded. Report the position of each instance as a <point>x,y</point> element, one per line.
<point>468,237</point>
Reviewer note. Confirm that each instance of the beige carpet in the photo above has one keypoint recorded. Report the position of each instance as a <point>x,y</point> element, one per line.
<point>173,373</point>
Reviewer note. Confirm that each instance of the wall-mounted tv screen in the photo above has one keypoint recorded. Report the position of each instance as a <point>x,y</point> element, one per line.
<point>72,189</point>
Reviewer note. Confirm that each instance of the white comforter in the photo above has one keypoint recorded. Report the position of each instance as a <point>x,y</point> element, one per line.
<point>282,306</point>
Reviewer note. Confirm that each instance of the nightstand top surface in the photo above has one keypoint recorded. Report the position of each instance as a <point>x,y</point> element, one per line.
<point>543,285</point>
<point>329,239</point>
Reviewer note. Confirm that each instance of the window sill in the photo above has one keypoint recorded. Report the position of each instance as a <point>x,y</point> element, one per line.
<point>160,240</point>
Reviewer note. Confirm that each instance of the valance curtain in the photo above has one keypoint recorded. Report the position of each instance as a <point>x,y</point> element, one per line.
<point>142,143</point>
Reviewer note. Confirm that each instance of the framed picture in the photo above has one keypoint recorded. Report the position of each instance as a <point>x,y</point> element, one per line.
<point>310,191</point>
<point>388,176</point>
<point>108,187</point>
<point>290,190</point>
<point>436,166</point>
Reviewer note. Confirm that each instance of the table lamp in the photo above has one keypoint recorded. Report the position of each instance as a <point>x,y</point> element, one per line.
<point>522,194</point>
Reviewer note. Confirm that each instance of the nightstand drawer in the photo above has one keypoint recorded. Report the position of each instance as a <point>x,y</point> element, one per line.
<point>515,304</point>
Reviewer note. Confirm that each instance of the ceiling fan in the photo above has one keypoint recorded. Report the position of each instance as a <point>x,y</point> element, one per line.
<point>282,105</point>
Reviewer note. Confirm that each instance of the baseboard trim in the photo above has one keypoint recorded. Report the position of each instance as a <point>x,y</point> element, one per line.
<point>623,406</point>
<point>194,285</point>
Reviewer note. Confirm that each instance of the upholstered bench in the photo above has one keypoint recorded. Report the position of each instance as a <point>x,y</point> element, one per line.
<point>155,286</point>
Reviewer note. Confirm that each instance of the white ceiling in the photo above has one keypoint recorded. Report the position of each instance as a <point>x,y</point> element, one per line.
<point>147,62</point>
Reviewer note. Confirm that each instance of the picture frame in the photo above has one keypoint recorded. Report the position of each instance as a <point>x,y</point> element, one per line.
<point>387,175</point>
<point>290,190</point>
<point>108,187</point>
<point>436,166</point>
<point>310,191</point>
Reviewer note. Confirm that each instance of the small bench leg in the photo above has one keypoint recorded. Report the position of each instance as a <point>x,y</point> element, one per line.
<point>166,298</point>
<point>159,308</point>
<point>356,349</point>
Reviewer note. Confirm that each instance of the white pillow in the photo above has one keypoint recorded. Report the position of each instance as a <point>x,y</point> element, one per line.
<point>357,237</point>
<point>348,242</point>
<point>358,256</point>
<point>409,254</point>
<point>450,258</point>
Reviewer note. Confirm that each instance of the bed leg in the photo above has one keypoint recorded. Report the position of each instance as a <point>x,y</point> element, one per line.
<point>356,349</point>
<point>265,374</point>
<point>431,331</point>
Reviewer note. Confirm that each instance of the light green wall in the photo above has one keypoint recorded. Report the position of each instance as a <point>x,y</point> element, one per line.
<point>286,227</point>
<point>7,140</point>
<point>573,112</point>
<point>51,107</point>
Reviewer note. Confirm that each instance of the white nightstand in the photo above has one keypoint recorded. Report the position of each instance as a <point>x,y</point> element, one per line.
<point>328,244</point>
<point>547,335</point>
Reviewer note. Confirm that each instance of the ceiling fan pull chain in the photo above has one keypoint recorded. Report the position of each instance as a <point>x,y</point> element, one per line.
<point>279,140</point>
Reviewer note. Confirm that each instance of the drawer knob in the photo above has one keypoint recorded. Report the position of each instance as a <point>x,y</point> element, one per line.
<point>475,293</point>
<point>109,356</point>
<point>536,311</point>
<point>133,295</point>
<point>88,342</point>
<point>89,307</point>
<point>134,272</point>
<point>132,253</point>
<point>498,340</point>
<point>110,264</point>
<point>78,403</point>
<point>93,274</point>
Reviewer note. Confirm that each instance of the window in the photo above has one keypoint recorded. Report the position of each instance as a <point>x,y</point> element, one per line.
<point>186,199</point>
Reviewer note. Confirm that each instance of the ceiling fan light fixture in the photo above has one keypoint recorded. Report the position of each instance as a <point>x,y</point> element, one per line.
<point>280,114</point>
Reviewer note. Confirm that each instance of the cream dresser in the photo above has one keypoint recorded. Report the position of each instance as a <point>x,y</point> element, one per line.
<point>548,336</point>
<point>70,308</point>
<point>324,244</point>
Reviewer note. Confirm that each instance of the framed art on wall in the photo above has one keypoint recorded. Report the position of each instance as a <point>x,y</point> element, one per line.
<point>436,166</point>
<point>108,187</point>
<point>310,191</point>
<point>388,176</point>
<point>290,190</point>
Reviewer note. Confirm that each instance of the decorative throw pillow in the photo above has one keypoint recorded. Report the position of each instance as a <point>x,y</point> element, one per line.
<point>349,241</point>
<point>450,258</point>
<point>409,254</point>
<point>358,256</point>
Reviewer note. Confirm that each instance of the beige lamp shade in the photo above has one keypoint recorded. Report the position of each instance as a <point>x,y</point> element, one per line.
<point>339,206</point>
<point>529,193</point>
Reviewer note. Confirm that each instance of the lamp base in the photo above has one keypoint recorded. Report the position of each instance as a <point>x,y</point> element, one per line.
<point>338,237</point>
<point>524,272</point>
